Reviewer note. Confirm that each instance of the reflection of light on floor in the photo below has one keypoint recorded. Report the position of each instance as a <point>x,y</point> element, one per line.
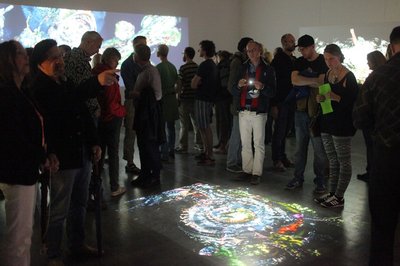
<point>246,229</point>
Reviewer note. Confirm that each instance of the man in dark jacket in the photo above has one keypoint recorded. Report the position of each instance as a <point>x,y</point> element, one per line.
<point>71,135</point>
<point>256,86</point>
<point>377,109</point>
<point>281,110</point>
<point>148,123</point>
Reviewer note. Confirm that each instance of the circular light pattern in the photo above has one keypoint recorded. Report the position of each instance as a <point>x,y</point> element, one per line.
<point>242,227</point>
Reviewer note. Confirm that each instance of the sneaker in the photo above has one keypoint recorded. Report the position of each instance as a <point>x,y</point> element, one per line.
<point>91,205</point>
<point>220,150</point>
<point>198,147</point>
<point>278,166</point>
<point>181,150</point>
<point>206,162</point>
<point>139,181</point>
<point>294,183</point>
<point>287,163</point>
<point>132,168</point>
<point>234,169</point>
<point>164,158</point>
<point>320,189</point>
<point>322,199</point>
<point>255,179</point>
<point>55,262</point>
<point>118,192</point>
<point>243,177</point>
<point>200,156</point>
<point>333,202</point>
<point>85,251</point>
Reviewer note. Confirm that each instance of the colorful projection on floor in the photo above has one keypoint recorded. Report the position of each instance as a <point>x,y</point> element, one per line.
<point>31,24</point>
<point>243,228</point>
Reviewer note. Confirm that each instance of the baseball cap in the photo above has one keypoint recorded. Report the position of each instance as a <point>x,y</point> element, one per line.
<point>305,41</point>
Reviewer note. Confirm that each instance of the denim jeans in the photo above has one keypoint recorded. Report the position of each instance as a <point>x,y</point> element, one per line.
<point>281,128</point>
<point>234,156</point>
<point>169,145</point>
<point>109,139</point>
<point>130,134</point>
<point>223,121</point>
<point>367,133</point>
<point>186,116</point>
<point>149,157</point>
<point>302,121</point>
<point>68,199</point>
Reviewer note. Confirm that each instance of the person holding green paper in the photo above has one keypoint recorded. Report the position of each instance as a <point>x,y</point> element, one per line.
<point>337,126</point>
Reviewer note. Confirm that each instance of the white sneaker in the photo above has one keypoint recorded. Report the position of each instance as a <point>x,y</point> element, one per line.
<point>118,192</point>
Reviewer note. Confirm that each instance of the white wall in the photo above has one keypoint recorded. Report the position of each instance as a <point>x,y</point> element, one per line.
<point>226,21</point>
<point>267,20</point>
<point>216,20</point>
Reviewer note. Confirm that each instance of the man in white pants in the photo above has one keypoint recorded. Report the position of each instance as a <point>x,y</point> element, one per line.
<point>256,85</point>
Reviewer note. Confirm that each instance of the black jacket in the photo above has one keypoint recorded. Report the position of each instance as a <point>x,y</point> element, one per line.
<point>21,151</point>
<point>69,126</point>
<point>148,121</point>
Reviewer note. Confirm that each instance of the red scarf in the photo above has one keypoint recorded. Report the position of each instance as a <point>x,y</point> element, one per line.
<point>243,95</point>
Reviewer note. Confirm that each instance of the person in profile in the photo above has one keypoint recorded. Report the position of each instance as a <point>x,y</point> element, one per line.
<point>281,110</point>
<point>148,123</point>
<point>375,59</point>
<point>129,73</point>
<point>22,154</point>
<point>377,109</point>
<point>72,136</point>
<point>169,78</point>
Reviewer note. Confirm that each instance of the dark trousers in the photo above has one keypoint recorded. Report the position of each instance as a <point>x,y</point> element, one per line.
<point>281,128</point>
<point>109,139</point>
<point>224,121</point>
<point>384,198</point>
<point>150,157</point>
<point>370,148</point>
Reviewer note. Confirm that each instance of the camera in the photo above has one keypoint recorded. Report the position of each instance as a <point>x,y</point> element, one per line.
<point>251,81</point>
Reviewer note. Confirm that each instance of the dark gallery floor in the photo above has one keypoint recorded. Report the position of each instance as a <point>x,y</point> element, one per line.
<point>200,215</point>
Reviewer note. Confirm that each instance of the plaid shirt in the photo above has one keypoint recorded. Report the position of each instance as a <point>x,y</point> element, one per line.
<point>78,69</point>
<point>378,104</point>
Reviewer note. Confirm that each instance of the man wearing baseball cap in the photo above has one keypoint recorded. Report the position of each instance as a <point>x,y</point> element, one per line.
<point>308,73</point>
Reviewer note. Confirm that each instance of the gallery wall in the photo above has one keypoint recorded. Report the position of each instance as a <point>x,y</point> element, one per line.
<point>225,21</point>
<point>267,20</point>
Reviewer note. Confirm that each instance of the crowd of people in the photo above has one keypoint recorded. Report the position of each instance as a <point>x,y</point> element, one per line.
<point>60,115</point>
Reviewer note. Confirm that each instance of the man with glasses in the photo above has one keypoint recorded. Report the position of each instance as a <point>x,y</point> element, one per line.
<point>256,85</point>
<point>308,73</point>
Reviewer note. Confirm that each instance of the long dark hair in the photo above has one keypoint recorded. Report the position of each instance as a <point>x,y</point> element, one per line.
<point>8,53</point>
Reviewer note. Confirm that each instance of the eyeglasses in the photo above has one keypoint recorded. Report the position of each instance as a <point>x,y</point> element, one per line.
<point>252,50</point>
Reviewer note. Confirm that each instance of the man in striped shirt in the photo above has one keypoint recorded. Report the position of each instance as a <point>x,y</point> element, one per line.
<point>186,99</point>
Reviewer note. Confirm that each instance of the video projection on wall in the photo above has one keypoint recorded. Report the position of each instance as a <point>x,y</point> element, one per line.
<point>355,42</point>
<point>30,24</point>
